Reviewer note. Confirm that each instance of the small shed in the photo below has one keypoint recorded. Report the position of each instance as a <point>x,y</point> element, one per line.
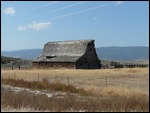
<point>76,54</point>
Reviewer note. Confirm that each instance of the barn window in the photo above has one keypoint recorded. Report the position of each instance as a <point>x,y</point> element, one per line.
<point>48,57</point>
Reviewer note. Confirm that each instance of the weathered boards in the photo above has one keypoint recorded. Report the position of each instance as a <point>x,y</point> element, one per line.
<point>77,54</point>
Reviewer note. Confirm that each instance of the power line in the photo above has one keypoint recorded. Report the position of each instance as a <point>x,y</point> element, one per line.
<point>42,6</point>
<point>81,11</point>
<point>46,5</point>
<point>77,12</point>
<point>59,9</point>
<point>21,12</point>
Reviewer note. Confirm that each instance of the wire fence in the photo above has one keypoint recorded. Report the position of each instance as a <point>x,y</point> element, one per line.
<point>80,81</point>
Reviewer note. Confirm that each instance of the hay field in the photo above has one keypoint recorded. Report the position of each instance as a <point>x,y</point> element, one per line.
<point>127,78</point>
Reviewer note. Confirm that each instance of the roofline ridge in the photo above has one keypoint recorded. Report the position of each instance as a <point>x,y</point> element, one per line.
<point>72,41</point>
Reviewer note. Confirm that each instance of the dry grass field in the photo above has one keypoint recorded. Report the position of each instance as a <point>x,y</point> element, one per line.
<point>125,89</point>
<point>130,78</point>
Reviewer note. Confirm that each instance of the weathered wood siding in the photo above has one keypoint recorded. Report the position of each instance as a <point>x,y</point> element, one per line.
<point>53,65</point>
<point>89,60</point>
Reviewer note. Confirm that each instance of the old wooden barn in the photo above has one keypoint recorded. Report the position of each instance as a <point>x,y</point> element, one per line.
<point>78,54</point>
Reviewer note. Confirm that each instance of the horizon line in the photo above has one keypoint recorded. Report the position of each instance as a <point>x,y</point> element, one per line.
<point>42,48</point>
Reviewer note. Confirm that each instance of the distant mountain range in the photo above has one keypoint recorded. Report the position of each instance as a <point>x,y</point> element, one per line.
<point>104,53</point>
<point>123,53</point>
<point>23,54</point>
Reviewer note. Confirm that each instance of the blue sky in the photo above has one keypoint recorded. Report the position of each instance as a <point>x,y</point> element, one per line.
<point>31,24</point>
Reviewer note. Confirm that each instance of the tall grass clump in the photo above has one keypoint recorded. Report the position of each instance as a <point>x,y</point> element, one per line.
<point>105,103</point>
<point>123,99</point>
<point>44,85</point>
<point>106,99</point>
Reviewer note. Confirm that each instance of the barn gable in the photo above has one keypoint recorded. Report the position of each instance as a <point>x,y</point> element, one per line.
<point>67,52</point>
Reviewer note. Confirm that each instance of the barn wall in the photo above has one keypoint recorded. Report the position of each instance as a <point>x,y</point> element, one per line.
<point>82,65</point>
<point>88,65</point>
<point>89,60</point>
<point>64,65</point>
<point>91,52</point>
<point>53,65</point>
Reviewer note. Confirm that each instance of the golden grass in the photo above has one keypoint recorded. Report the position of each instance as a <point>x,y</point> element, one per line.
<point>107,99</point>
<point>135,78</point>
<point>127,89</point>
<point>120,91</point>
<point>44,85</point>
<point>72,72</point>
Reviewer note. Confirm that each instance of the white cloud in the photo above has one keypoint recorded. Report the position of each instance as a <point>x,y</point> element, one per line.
<point>118,2</point>
<point>22,28</point>
<point>39,26</point>
<point>35,26</point>
<point>9,11</point>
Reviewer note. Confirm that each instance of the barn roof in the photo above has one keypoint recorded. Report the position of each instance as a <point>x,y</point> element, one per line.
<point>63,51</point>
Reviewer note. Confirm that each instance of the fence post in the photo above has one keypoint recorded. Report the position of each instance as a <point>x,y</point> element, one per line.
<point>12,67</point>
<point>19,67</point>
<point>68,80</point>
<point>106,81</point>
<point>138,83</point>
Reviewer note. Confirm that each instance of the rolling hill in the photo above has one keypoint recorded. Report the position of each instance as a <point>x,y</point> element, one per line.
<point>104,53</point>
<point>9,62</point>
<point>123,53</point>
<point>23,54</point>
